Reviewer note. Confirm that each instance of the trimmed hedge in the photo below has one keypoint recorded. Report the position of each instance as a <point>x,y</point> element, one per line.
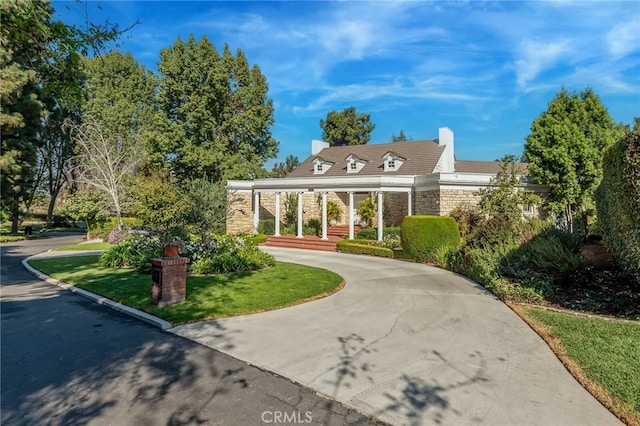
<point>422,236</point>
<point>618,202</point>
<point>352,247</point>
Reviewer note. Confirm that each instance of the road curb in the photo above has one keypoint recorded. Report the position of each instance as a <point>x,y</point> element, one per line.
<point>101,300</point>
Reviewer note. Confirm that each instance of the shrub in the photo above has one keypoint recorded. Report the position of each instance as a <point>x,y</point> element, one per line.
<point>350,246</point>
<point>248,258</point>
<point>316,225</point>
<point>421,236</point>
<point>372,233</point>
<point>468,217</point>
<point>267,226</point>
<point>116,235</point>
<point>135,253</point>
<point>618,202</point>
<point>257,239</point>
<point>333,211</point>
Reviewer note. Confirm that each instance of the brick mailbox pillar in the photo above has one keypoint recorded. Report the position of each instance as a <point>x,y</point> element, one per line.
<point>168,280</point>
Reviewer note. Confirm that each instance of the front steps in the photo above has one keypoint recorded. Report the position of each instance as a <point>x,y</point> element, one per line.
<point>312,242</point>
<point>309,242</point>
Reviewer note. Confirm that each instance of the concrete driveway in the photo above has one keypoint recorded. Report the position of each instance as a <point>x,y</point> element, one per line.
<point>409,344</point>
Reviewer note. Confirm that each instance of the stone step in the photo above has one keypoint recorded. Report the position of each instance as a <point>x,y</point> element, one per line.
<point>342,230</point>
<point>309,242</point>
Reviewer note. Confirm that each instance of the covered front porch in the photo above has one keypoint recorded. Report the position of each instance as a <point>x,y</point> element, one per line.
<point>253,201</point>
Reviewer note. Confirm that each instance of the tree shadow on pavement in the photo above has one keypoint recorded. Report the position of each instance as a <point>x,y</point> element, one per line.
<point>419,398</point>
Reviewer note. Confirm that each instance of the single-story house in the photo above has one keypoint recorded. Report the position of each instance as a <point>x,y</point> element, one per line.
<point>404,178</point>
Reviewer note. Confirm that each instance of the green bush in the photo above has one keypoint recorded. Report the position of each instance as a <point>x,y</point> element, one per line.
<point>315,224</point>
<point>249,258</point>
<point>468,217</point>
<point>353,247</point>
<point>421,236</point>
<point>257,239</point>
<point>103,228</point>
<point>134,253</point>
<point>372,233</point>
<point>267,227</point>
<point>618,202</point>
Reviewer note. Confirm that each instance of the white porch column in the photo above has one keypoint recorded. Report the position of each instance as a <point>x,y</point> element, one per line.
<point>351,218</point>
<point>409,202</point>
<point>380,221</point>
<point>256,211</point>
<point>277,231</point>
<point>299,216</point>
<point>324,216</point>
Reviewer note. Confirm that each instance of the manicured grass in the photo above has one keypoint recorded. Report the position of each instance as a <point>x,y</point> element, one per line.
<point>604,356</point>
<point>86,246</point>
<point>207,297</point>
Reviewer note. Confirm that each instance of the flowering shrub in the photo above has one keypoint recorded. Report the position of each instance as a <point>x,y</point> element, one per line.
<point>116,235</point>
<point>223,254</point>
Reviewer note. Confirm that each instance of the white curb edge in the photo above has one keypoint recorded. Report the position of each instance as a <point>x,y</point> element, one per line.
<point>101,300</point>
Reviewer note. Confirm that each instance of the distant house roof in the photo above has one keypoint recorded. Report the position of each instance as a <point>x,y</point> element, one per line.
<point>421,158</point>
<point>493,167</point>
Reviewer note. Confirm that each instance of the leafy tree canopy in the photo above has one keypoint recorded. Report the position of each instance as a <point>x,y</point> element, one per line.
<point>347,128</point>
<point>400,137</point>
<point>39,58</point>
<point>565,148</point>
<point>219,112</point>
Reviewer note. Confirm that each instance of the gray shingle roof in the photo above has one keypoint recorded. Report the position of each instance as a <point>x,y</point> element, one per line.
<point>493,167</point>
<point>421,158</point>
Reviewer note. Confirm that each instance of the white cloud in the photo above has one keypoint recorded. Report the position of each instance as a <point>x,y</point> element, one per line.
<point>624,38</point>
<point>536,57</point>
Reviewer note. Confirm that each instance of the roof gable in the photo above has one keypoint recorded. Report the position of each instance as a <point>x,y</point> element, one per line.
<point>419,158</point>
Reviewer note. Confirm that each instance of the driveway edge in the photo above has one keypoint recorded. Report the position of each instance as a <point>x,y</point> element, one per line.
<point>101,300</point>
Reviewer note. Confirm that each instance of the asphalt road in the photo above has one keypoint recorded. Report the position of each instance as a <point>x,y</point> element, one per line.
<point>68,361</point>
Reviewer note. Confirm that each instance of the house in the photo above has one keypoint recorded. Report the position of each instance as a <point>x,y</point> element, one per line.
<point>404,178</point>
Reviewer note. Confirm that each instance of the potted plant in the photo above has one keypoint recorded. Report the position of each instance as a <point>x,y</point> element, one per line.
<point>172,241</point>
<point>367,210</point>
<point>333,212</point>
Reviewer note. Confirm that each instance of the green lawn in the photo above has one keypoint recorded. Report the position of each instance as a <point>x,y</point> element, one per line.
<point>207,297</point>
<point>85,246</point>
<point>607,352</point>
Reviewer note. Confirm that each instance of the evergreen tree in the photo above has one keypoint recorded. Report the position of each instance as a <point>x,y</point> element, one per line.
<point>282,169</point>
<point>347,128</point>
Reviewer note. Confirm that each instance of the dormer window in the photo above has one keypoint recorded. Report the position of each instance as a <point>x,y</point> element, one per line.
<point>392,161</point>
<point>321,166</point>
<point>354,164</point>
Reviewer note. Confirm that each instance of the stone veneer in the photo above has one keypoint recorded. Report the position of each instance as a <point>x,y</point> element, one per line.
<point>434,202</point>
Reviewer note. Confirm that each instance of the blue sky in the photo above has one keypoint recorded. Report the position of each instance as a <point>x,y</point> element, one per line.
<point>484,69</point>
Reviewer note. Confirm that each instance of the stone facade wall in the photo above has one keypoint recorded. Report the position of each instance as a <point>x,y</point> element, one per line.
<point>451,198</point>
<point>427,203</point>
<point>239,212</point>
<point>395,208</point>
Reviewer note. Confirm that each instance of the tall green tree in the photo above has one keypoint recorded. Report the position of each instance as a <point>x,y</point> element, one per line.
<point>347,127</point>
<point>219,112</point>
<point>399,138</point>
<point>565,149</point>
<point>37,55</point>
<point>120,96</point>
<point>283,168</point>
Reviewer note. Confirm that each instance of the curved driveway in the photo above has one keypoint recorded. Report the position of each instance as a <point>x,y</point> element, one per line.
<point>409,344</point>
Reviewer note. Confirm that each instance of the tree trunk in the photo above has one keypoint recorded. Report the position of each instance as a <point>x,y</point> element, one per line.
<point>585,220</point>
<point>15,215</point>
<point>569,217</point>
<point>52,204</point>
